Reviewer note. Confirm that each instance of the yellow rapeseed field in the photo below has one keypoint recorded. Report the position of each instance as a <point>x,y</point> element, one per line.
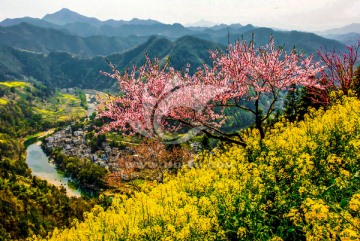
<point>301,182</point>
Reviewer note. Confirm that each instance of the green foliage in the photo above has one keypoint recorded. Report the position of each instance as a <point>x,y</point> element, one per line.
<point>62,70</point>
<point>28,205</point>
<point>46,40</point>
<point>297,103</point>
<point>356,81</point>
<point>87,176</point>
<point>82,97</point>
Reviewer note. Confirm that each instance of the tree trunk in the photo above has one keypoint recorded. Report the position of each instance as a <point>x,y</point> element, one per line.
<point>258,117</point>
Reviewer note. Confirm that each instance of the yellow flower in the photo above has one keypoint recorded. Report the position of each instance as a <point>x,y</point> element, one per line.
<point>241,232</point>
<point>354,203</point>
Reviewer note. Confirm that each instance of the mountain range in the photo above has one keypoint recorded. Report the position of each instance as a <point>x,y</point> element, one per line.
<point>66,49</point>
<point>61,69</point>
<point>349,34</point>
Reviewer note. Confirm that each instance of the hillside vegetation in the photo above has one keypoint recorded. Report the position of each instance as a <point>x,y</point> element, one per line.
<point>29,205</point>
<point>62,70</point>
<point>44,40</point>
<point>300,182</point>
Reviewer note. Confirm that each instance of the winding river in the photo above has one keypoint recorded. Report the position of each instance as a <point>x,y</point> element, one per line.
<point>40,166</point>
<point>39,163</point>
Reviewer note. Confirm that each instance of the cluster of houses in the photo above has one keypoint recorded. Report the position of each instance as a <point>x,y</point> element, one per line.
<point>73,143</point>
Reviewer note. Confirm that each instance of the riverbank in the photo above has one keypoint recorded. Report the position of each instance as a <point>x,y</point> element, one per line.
<point>40,166</point>
<point>31,139</point>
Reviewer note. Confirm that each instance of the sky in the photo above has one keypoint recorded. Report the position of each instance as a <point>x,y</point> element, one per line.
<point>304,15</point>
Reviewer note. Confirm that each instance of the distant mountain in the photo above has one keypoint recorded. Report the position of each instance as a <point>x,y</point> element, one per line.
<point>65,31</point>
<point>45,40</point>
<point>81,25</point>
<point>201,23</point>
<point>351,28</point>
<point>219,32</point>
<point>63,70</point>
<point>303,41</point>
<point>72,23</point>
<point>348,35</point>
<point>34,21</point>
<point>65,16</point>
<point>134,21</point>
<point>347,39</point>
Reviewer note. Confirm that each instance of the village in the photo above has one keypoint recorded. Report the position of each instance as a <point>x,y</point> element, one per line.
<point>74,143</point>
<point>73,140</point>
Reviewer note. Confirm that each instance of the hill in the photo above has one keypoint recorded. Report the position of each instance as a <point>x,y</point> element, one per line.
<point>300,183</point>
<point>45,40</point>
<point>29,205</point>
<point>347,39</point>
<point>60,69</point>
<point>63,70</point>
<point>307,42</point>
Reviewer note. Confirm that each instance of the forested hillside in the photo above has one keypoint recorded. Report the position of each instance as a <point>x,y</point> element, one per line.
<point>45,40</point>
<point>29,205</point>
<point>62,70</point>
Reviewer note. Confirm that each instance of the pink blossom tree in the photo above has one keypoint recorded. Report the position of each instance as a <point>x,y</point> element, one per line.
<point>262,72</point>
<point>338,74</point>
<point>158,100</point>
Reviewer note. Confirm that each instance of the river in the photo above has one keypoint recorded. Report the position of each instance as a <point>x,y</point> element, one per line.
<point>39,163</point>
<point>40,166</point>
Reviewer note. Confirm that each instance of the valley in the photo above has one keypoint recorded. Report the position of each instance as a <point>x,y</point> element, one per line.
<point>140,129</point>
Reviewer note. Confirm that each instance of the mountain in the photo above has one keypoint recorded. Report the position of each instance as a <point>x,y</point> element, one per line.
<point>132,39</point>
<point>72,23</point>
<point>46,40</point>
<point>218,32</point>
<point>347,39</point>
<point>63,70</point>
<point>34,21</point>
<point>351,28</point>
<point>302,41</point>
<point>65,16</point>
<point>172,31</point>
<point>348,35</point>
<point>81,25</point>
<point>201,24</point>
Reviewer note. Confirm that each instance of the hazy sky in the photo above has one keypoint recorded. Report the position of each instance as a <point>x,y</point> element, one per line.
<point>307,15</point>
